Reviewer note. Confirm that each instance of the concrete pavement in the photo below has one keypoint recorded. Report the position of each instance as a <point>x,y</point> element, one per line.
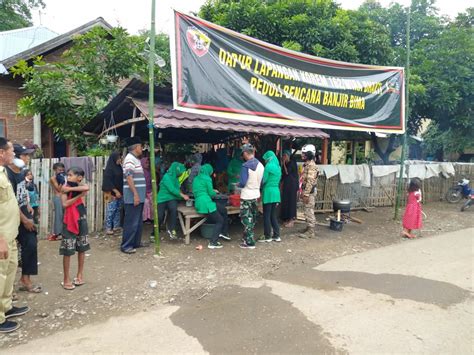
<point>411,297</point>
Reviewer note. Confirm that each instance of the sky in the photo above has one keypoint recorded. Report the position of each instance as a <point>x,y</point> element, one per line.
<point>64,15</point>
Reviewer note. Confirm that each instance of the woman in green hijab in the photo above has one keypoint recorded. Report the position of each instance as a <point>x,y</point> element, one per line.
<point>203,194</point>
<point>271,197</point>
<point>169,195</point>
<point>233,170</point>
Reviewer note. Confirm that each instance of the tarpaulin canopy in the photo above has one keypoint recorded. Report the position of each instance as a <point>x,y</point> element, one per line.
<point>166,117</point>
<point>219,72</point>
<point>174,125</point>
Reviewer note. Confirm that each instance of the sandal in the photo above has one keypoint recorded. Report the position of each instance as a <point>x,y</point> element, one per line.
<point>408,236</point>
<point>32,289</point>
<point>68,288</point>
<point>76,282</point>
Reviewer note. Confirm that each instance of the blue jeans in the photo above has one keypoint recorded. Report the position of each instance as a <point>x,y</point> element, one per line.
<point>132,226</point>
<point>112,214</point>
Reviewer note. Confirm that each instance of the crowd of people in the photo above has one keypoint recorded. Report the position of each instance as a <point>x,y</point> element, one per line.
<point>270,186</point>
<point>260,186</point>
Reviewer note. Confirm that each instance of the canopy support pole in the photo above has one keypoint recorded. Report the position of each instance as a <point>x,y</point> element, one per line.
<point>324,151</point>
<point>151,129</point>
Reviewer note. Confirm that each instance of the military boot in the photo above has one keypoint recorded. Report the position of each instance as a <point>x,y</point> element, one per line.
<point>303,230</point>
<point>309,233</point>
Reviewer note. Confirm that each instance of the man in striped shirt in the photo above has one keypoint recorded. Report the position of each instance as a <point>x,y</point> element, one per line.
<point>134,190</point>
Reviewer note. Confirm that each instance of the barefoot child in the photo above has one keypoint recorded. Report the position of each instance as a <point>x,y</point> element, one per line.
<point>75,231</point>
<point>412,218</point>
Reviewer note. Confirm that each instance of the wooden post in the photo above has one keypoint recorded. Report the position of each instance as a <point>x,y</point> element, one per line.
<point>354,150</point>
<point>324,153</point>
<point>37,129</point>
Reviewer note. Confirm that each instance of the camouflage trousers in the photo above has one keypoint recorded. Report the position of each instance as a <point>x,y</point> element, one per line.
<point>309,211</point>
<point>248,217</point>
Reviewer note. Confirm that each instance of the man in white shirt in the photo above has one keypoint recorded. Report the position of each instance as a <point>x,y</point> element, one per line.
<point>251,176</point>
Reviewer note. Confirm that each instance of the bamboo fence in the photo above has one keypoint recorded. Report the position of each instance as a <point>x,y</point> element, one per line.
<point>382,192</point>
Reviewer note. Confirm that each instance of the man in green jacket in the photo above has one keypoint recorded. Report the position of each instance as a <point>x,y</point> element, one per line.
<point>168,197</point>
<point>271,197</point>
<point>203,194</point>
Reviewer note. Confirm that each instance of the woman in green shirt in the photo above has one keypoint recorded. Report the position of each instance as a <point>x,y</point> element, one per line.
<point>169,195</point>
<point>203,194</point>
<point>271,197</point>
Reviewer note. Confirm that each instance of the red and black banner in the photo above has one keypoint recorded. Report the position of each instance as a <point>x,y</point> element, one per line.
<point>220,72</point>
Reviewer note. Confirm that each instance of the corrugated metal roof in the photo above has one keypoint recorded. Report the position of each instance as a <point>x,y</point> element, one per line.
<point>52,44</point>
<point>16,41</point>
<point>166,117</point>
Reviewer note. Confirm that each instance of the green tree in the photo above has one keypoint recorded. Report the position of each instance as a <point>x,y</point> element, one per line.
<point>441,70</point>
<point>320,28</point>
<point>17,13</point>
<point>71,92</point>
<point>446,65</point>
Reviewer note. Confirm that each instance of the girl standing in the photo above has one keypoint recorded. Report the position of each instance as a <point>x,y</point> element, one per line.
<point>112,185</point>
<point>412,218</point>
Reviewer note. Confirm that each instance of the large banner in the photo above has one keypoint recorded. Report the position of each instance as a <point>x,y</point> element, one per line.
<point>220,72</point>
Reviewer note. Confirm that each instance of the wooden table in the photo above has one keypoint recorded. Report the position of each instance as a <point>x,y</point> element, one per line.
<point>186,214</point>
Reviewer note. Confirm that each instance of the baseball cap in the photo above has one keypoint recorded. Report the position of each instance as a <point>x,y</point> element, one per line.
<point>22,150</point>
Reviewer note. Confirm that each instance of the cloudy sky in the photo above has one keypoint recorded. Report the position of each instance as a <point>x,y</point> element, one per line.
<point>64,15</point>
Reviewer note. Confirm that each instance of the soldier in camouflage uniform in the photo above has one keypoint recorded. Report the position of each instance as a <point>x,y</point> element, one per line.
<point>251,176</point>
<point>309,179</point>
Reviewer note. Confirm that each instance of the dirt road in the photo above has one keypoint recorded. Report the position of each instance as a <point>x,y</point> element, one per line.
<point>409,297</point>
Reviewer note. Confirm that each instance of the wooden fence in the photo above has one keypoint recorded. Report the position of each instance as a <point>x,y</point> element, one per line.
<point>381,193</point>
<point>383,190</point>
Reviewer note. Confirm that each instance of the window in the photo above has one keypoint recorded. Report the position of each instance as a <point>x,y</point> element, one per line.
<point>3,127</point>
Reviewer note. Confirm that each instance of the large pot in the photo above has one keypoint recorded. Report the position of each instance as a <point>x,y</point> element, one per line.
<point>343,205</point>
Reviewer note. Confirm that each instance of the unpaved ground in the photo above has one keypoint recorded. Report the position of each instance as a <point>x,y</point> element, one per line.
<point>119,284</point>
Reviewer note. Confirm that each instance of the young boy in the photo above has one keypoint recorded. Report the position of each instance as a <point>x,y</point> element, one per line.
<point>75,231</point>
<point>57,181</point>
<point>33,194</point>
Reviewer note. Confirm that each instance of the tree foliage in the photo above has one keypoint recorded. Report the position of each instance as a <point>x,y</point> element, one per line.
<point>320,27</point>
<point>72,91</point>
<point>441,72</point>
<point>17,13</point>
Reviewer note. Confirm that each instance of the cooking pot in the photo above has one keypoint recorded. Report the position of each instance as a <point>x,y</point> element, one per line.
<point>343,205</point>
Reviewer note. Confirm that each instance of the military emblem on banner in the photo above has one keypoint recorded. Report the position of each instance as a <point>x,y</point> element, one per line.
<point>198,41</point>
<point>393,86</point>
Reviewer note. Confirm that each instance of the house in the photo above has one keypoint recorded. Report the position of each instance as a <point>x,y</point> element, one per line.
<point>51,46</point>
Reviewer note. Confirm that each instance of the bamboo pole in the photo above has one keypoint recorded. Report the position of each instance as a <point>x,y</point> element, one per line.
<point>407,112</point>
<point>151,132</point>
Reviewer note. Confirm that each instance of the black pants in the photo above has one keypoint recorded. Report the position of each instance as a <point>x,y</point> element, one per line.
<point>29,251</point>
<point>270,220</point>
<point>219,217</point>
<point>172,208</point>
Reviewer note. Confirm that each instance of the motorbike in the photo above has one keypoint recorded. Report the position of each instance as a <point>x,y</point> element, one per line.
<point>470,196</point>
<point>459,191</point>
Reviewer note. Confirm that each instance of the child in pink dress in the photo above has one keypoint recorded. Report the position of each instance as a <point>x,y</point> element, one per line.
<point>412,218</point>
